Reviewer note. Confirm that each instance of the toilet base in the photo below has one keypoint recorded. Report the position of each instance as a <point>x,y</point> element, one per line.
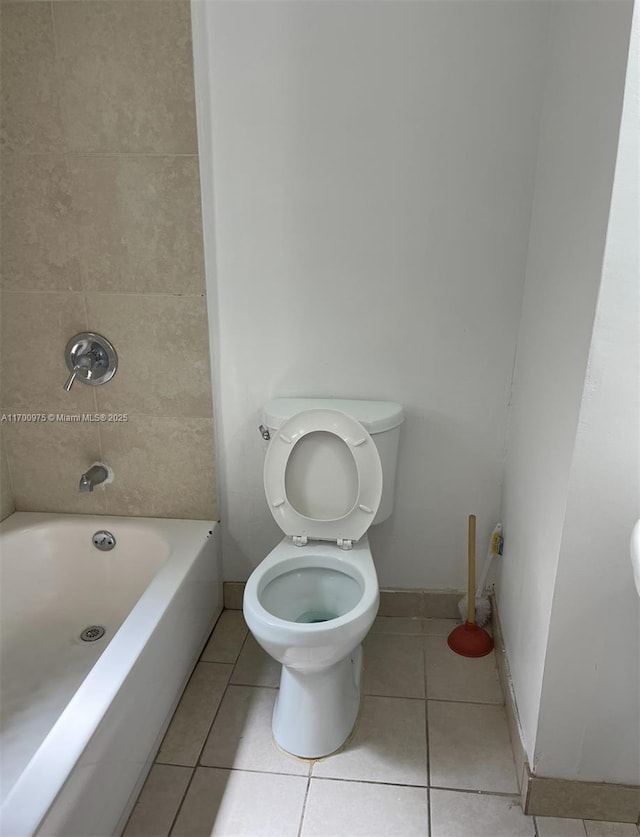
<point>315,713</point>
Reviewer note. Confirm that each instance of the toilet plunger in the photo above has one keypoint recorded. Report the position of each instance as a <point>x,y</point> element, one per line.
<point>468,639</point>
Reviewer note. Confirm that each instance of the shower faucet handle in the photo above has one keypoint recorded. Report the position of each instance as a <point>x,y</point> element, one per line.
<point>71,379</point>
<point>91,358</point>
<point>84,362</point>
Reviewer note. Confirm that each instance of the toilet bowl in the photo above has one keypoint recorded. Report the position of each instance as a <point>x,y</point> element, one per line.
<point>310,612</point>
<point>313,599</point>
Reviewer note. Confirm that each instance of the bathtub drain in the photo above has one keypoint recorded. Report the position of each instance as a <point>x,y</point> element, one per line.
<point>92,633</point>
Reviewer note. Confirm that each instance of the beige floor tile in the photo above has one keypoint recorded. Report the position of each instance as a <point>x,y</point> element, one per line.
<point>438,627</point>
<point>194,715</point>
<point>393,666</point>
<point>469,747</point>
<point>241,735</point>
<point>477,815</point>
<point>159,801</point>
<point>396,625</point>
<point>595,828</point>
<point>231,803</point>
<point>452,677</point>
<point>255,667</point>
<point>227,638</point>
<point>559,827</point>
<point>388,745</point>
<point>361,809</point>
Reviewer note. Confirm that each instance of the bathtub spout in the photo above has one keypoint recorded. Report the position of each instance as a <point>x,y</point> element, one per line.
<point>94,476</point>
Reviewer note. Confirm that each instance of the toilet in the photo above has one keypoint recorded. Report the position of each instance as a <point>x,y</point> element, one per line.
<point>329,475</point>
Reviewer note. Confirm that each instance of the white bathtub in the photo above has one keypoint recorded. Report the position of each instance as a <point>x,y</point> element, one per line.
<point>80,722</point>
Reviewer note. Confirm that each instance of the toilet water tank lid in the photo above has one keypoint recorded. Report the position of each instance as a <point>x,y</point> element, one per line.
<point>374,416</point>
<point>362,456</point>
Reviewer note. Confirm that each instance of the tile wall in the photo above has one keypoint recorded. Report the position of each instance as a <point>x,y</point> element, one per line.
<point>101,231</point>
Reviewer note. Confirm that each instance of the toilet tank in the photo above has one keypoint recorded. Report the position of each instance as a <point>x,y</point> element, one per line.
<point>381,419</point>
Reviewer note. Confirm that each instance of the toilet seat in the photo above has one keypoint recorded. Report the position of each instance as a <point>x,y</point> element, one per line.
<point>349,527</point>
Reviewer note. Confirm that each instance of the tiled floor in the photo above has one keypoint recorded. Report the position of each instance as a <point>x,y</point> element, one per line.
<point>430,755</point>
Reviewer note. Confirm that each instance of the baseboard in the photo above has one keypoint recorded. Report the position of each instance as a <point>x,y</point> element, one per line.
<point>546,796</point>
<point>428,604</point>
<point>232,593</point>
<point>511,708</point>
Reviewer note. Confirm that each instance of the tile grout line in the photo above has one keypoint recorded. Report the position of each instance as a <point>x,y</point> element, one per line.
<point>476,792</point>
<point>327,778</point>
<point>93,292</point>
<point>432,700</point>
<point>184,796</point>
<point>194,768</point>
<point>469,791</point>
<point>426,720</point>
<point>304,803</point>
<point>224,693</point>
<point>70,152</point>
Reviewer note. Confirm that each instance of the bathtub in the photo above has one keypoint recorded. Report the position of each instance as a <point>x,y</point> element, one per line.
<point>81,721</point>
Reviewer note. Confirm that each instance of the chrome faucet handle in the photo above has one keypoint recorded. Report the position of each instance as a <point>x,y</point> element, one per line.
<point>82,362</point>
<point>92,355</point>
<point>71,379</point>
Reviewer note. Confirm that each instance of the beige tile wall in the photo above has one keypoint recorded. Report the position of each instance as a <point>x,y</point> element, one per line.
<point>101,231</point>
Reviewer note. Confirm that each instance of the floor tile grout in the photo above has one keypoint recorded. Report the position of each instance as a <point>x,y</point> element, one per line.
<point>215,715</point>
<point>222,697</point>
<point>472,791</point>
<point>428,787</point>
<point>476,792</point>
<point>426,727</point>
<point>304,805</point>
<point>182,801</point>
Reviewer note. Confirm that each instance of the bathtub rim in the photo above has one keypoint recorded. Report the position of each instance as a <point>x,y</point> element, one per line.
<point>54,760</point>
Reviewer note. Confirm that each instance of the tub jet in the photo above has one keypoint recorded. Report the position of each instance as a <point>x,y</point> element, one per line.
<point>92,633</point>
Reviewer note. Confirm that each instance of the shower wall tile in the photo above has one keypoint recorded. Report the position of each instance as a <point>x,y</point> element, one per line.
<point>29,111</point>
<point>163,467</point>
<point>38,237</point>
<point>144,233</point>
<point>101,230</point>
<point>163,354</point>
<point>46,461</point>
<point>35,331</point>
<point>126,76</point>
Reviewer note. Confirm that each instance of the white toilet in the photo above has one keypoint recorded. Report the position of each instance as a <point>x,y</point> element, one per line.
<point>329,474</point>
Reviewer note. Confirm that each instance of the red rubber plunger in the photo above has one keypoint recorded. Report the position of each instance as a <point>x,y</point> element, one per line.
<point>469,640</point>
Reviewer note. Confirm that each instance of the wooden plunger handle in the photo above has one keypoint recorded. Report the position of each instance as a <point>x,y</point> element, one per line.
<point>471,590</point>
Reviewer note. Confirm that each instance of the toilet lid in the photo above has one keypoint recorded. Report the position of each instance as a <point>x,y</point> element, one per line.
<point>323,477</point>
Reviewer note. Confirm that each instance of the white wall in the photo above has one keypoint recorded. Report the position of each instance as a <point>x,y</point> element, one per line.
<point>589,725</point>
<point>374,167</point>
<point>577,152</point>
